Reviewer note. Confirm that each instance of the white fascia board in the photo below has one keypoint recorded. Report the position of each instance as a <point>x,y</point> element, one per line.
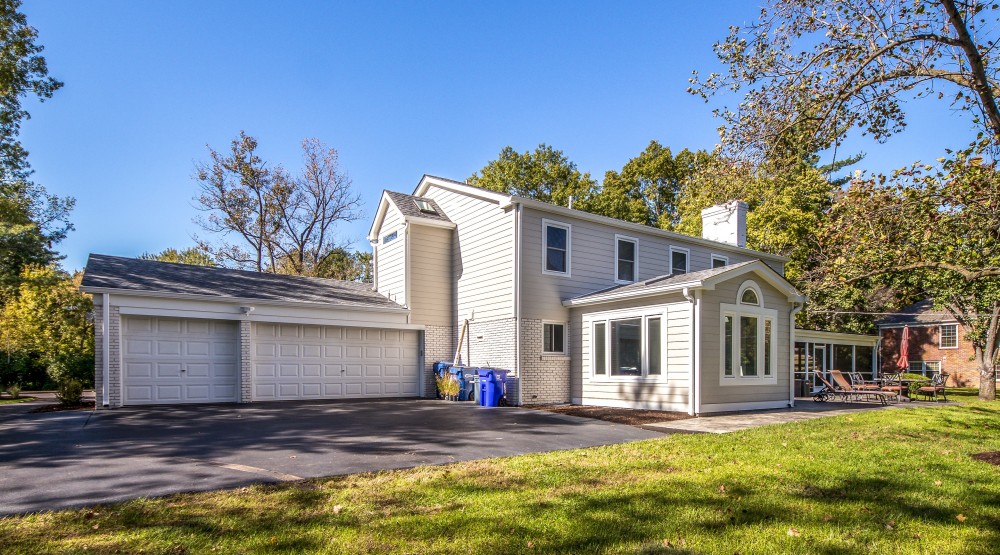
<point>244,300</point>
<point>416,220</point>
<point>820,336</point>
<point>463,188</point>
<point>764,271</point>
<point>621,224</point>
<point>612,296</point>
<point>383,206</point>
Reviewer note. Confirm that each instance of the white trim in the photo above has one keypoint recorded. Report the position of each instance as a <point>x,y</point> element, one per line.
<point>221,298</point>
<point>714,257</point>
<point>463,188</point>
<point>737,311</point>
<point>750,284</point>
<point>941,336</point>
<point>518,235</point>
<point>106,346</point>
<point>545,247</point>
<point>417,220</point>
<point>696,355</point>
<point>304,320</point>
<point>687,258</point>
<point>817,336</point>
<point>796,307</point>
<point>623,404</point>
<point>752,405</point>
<point>635,261</point>
<point>565,339</point>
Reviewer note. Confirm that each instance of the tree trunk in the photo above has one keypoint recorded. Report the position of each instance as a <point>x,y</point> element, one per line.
<point>987,374</point>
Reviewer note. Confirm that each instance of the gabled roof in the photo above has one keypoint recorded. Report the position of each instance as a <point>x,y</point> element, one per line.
<point>504,200</point>
<point>148,277</point>
<point>704,279</point>
<point>408,207</point>
<point>919,313</point>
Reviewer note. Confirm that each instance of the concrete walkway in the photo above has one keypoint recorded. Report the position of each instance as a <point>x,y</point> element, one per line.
<point>804,409</point>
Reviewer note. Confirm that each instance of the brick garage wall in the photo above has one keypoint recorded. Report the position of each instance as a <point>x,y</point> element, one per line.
<point>959,363</point>
<point>544,379</point>
<point>114,344</point>
<point>491,344</point>
<point>246,362</point>
<point>439,345</point>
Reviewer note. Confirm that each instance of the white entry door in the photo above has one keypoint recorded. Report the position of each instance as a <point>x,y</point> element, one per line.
<point>175,360</point>
<point>292,361</point>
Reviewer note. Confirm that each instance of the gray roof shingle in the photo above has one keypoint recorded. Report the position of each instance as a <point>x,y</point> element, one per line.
<point>922,312</point>
<point>407,204</point>
<point>149,276</point>
<point>663,281</point>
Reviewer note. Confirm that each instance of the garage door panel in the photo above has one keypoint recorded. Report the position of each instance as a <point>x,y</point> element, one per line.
<point>312,390</point>
<point>172,360</point>
<point>390,370</point>
<point>288,370</point>
<point>333,351</point>
<point>373,388</point>
<point>409,388</point>
<point>264,370</point>
<point>288,390</point>
<point>312,351</point>
<point>288,330</point>
<point>266,349</point>
<point>373,370</point>
<point>353,351</point>
<point>312,370</point>
<point>333,389</point>
<point>288,350</point>
<point>311,332</point>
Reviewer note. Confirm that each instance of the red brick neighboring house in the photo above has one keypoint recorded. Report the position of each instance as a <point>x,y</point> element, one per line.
<point>937,343</point>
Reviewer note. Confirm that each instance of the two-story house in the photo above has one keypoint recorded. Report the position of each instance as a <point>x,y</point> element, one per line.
<point>578,307</point>
<point>588,309</point>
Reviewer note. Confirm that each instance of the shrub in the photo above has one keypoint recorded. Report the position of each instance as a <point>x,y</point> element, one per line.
<point>15,391</point>
<point>447,385</point>
<point>70,392</point>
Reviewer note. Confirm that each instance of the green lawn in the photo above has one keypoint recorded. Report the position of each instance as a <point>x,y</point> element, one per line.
<point>9,401</point>
<point>892,481</point>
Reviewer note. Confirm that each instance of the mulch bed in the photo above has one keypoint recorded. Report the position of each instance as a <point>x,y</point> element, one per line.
<point>631,417</point>
<point>992,457</point>
<point>86,405</point>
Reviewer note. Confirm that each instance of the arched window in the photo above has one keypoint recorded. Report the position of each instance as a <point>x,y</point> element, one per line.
<point>748,354</point>
<point>749,293</point>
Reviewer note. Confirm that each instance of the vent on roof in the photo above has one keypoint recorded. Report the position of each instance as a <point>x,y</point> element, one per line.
<point>424,206</point>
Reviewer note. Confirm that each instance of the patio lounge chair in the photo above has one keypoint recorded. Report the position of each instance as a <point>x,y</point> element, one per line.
<point>935,388</point>
<point>859,383</point>
<point>845,390</point>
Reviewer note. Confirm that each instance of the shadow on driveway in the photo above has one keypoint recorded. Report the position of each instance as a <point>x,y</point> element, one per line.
<point>71,459</point>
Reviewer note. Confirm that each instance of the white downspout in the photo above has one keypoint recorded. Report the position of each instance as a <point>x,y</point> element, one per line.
<point>694,385</point>
<point>517,302</point>
<point>796,307</point>
<point>106,348</point>
<point>374,245</point>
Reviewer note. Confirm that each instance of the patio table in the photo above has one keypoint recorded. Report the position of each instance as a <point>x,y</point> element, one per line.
<point>904,390</point>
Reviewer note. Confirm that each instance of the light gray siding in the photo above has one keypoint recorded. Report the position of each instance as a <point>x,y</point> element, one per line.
<point>667,392</point>
<point>431,280</point>
<point>391,257</point>
<point>592,260</point>
<point>712,392</point>
<point>483,251</point>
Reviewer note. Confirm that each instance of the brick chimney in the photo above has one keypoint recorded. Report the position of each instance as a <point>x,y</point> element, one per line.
<point>726,223</point>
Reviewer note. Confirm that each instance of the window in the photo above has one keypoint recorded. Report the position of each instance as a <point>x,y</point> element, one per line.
<point>678,260</point>
<point>389,238</point>
<point>424,206</point>
<point>628,347</point>
<point>719,261</point>
<point>600,348</point>
<point>925,367</point>
<point>625,256</point>
<point>749,348</point>
<point>949,337</point>
<point>555,248</point>
<point>554,338</point>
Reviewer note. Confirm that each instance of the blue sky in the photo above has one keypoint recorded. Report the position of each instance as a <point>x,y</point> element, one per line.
<point>399,88</point>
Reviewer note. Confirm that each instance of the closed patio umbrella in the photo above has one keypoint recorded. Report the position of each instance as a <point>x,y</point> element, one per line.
<point>904,349</point>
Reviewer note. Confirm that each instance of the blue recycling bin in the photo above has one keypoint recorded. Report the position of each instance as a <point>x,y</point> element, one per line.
<point>487,388</point>
<point>439,370</point>
<point>459,374</point>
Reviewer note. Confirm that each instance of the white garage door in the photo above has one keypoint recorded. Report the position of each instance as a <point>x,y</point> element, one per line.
<point>329,362</point>
<point>173,360</point>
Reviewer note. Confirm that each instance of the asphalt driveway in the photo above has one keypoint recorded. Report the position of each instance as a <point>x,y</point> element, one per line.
<point>73,458</point>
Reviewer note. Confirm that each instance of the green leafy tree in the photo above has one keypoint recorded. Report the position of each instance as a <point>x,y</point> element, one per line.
<point>31,221</point>
<point>191,255</point>
<point>647,189</point>
<point>48,322</point>
<point>345,265</point>
<point>545,174</point>
<point>935,229</point>
<point>834,65</point>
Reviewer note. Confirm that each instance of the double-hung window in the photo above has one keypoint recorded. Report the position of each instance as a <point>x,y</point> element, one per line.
<point>556,243</point>
<point>949,337</point>
<point>679,260</point>
<point>719,261</point>
<point>626,257</point>
<point>749,347</point>
<point>627,346</point>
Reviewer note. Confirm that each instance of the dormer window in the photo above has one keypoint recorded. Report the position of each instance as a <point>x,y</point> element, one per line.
<point>424,206</point>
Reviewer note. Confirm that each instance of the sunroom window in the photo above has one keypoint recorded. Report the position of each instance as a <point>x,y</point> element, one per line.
<point>627,347</point>
<point>748,353</point>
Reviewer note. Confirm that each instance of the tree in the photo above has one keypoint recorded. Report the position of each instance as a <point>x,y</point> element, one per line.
<point>545,174</point>
<point>285,222</point>
<point>936,229</point>
<point>345,265</point>
<point>831,65</point>
<point>648,187</point>
<point>31,221</point>
<point>48,322</point>
<point>191,255</point>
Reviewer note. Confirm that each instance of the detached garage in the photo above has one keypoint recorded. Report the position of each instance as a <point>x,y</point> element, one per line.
<point>174,333</point>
